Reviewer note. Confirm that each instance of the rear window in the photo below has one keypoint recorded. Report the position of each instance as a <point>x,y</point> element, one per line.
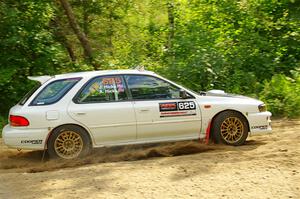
<point>54,91</point>
<point>28,95</point>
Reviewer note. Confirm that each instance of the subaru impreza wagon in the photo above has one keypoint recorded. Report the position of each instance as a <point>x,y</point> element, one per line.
<point>69,114</point>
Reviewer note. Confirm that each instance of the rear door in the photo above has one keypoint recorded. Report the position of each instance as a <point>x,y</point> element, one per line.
<point>102,105</point>
<point>160,111</point>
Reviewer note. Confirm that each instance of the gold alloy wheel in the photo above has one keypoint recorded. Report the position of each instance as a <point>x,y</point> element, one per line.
<point>232,129</point>
<point>68,145</point>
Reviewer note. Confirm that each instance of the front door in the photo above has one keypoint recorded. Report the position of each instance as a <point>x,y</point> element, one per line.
<point>103,107</point>
<point>160,111</point>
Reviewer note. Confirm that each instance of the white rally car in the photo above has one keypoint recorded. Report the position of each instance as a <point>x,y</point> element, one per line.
<point>69,114</point>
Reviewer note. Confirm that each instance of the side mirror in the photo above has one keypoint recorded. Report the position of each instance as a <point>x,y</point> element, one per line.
<point>183,94</point>
<point>202,93</point>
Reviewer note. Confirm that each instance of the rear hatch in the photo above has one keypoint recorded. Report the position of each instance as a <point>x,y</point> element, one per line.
<point>16,115</point>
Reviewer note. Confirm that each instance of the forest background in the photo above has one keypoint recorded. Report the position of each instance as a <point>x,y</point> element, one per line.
<point>249,47</point>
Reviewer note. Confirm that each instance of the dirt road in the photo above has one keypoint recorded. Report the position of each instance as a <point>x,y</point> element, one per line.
<point>268,166</point>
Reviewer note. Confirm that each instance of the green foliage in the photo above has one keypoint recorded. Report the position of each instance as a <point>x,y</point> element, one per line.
<point>27,47</point>
<point>234,45</point>
<point>282,95</point>
<point>245,47</point>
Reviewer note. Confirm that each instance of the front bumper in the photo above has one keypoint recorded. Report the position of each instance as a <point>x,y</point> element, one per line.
<point>260,122</point>
<point>24,138</point>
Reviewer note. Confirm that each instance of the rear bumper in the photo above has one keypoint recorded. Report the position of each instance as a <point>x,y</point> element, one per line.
<point>260,123</point>
<point>24,138</point>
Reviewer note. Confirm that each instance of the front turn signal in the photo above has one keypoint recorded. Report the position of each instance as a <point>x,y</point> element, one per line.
<point>262,108</point>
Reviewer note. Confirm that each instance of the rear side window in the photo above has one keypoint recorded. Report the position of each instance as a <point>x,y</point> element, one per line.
<point>28,95</point>
<point>103,89</point>
<point>54,91</point>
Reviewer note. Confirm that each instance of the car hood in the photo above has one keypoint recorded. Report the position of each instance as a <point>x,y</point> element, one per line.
<point>228,98</point>
<point>221,93</point>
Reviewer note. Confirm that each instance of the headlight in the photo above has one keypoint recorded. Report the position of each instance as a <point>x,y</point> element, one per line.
<point>262,108</point>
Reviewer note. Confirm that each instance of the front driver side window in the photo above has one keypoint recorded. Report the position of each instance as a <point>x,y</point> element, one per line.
<point>144,87</point>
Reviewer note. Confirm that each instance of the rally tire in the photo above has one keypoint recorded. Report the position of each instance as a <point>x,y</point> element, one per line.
<point>230,127</point>
<point>69,142</point>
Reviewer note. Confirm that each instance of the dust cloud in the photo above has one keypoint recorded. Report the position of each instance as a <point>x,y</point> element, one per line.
<point>32,162</point>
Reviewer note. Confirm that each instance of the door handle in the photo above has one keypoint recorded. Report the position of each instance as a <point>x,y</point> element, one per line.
<point>144,110</point>
<point>80,113</point>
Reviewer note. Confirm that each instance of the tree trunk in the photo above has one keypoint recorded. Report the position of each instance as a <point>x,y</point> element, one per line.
<point>171,33</point>
<point>171,20</point>
<point>85,14</point>
<point>61,37</point>
<point>110,32</point>
<point>80,35</point>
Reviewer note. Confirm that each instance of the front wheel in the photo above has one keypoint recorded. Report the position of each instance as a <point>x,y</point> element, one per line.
<point>230,128</point>
<point>68,142</point>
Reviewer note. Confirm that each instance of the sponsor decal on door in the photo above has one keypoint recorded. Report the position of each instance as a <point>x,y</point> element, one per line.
<point>176,109</point>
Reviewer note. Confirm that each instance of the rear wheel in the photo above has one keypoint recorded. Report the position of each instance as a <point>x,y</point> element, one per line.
<point>69,142</point>
<point>230,128</point>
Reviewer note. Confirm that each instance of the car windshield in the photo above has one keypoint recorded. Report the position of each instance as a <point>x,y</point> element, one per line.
<point>54,91</point>
<point>29,94</point>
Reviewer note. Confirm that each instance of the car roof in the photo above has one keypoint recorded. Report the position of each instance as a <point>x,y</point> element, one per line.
<point>43,79</point>
<point>102,72</point>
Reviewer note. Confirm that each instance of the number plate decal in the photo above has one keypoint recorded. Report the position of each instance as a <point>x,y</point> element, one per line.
<point>186,105</point>
<point>175,109</point>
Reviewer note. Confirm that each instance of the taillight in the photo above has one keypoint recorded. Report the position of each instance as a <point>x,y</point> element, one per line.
<point>18,121</point>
